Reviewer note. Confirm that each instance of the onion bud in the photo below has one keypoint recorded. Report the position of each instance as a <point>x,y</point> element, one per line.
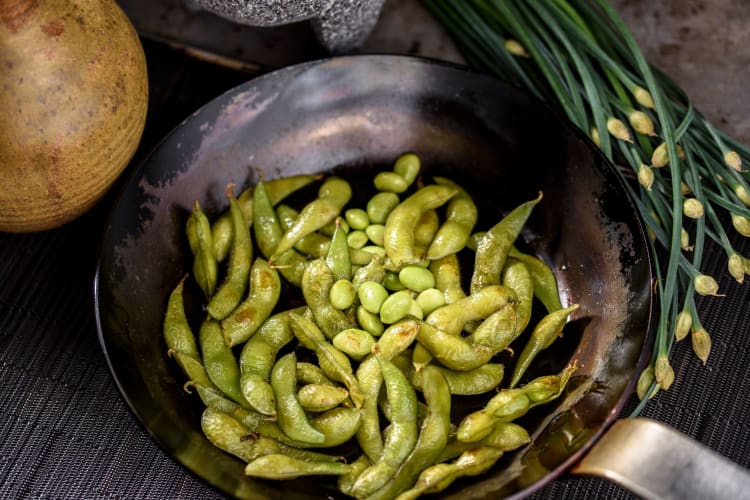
<point>663,372</point>
<point>641,123</point>
<point>645,176</point>
<point>692,208</point>
<point>683,324</point>
<point>736,267</point>
<point>643,97</point>
<point>701,344</point>
<point>618,129</point>
<point>515,48</point>
<point>733,160</point>
<point>644,383</point>
<point>706,285</point>
<point>741,224</point>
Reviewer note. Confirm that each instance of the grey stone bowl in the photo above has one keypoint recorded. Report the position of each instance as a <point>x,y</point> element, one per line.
<point>341,25</point>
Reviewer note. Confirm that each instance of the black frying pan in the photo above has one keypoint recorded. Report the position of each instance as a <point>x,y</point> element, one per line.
<point>352,115</point>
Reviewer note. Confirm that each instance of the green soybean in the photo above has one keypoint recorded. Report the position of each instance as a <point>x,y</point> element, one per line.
<point>357,239</point>
<point>430,299</point>
<point>408,167</point>
<point>342,294</point>
<point>370,322</point>
<point>416,278</point>
<point>372,295</point>
<point>355,342</point>
<point>374,233</point>
<point>380,206</point>
<point>357,218</point>
<point>390,182</point>
<point>395,307</point>
<point>317,282</point>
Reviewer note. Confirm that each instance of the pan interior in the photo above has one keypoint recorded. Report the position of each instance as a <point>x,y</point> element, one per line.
<point>355,115</point>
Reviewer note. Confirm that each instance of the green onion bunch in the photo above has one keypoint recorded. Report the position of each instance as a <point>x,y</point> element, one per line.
<point>684,175</point>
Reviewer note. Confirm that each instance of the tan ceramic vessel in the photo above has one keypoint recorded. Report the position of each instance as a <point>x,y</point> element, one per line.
<point>73,100</point>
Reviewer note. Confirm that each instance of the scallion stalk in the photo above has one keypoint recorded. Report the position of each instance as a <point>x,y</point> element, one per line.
<point>580,56</point>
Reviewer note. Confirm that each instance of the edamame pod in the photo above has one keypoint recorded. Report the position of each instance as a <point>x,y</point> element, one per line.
<point>221,365</point>
<point>176,330</point>
<point>334,193</point>
<point>543,335</point>
<point>317,282</point>
<point>402,436</point>
<point>278,466</point>
<point>433,436</point>
<point>398,236</point>
<point>289,413</point>
<point>438,477</point>
<point>257,358</point>
<point>268,232</point>
<point>368,435</point>
<point>334,363</point>
<point>277,189</point>
<point>265,290</point>
<point>319,398</point>
<point>493,248</point>
<point>460,219</point>
<point>448,278</point>
<point>545,283</point>
<point>205,267</point>
<point>517,277</point>
<point>231,291</point>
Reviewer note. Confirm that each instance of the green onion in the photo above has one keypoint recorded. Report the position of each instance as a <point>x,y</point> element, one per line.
<point>680,170</point>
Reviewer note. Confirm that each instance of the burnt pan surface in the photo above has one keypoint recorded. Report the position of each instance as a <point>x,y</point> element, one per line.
<point>355,115</point>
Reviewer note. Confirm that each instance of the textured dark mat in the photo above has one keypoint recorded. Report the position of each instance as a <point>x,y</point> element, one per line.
<point>66,433</point>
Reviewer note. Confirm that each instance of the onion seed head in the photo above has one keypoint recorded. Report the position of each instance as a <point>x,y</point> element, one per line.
<point>742,194</point>
<point>701,344</point>
<point>644,383</point>
<point>732,158</point>
<point>641,123</point>
<point>741,224</point>
<point>618,129</point>
<point>515,48</point>
<point>660,157</point>
<point>663,372</point>
<point>692,208</point>
<point>683,324</point>
<point>705,285</point>
<point>645,176</point>
<point>736,267</point>
<point>643,97</point>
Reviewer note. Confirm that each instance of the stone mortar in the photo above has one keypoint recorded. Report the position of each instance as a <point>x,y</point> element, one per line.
<point>340,25</point>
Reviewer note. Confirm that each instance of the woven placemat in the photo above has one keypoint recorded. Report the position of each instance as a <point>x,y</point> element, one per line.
<point>65,432</point>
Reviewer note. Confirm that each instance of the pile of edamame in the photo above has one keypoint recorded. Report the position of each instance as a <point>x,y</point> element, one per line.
<point>394,337</point>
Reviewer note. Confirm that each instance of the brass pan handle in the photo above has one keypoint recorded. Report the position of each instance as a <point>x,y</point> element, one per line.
<point>656,461</point>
